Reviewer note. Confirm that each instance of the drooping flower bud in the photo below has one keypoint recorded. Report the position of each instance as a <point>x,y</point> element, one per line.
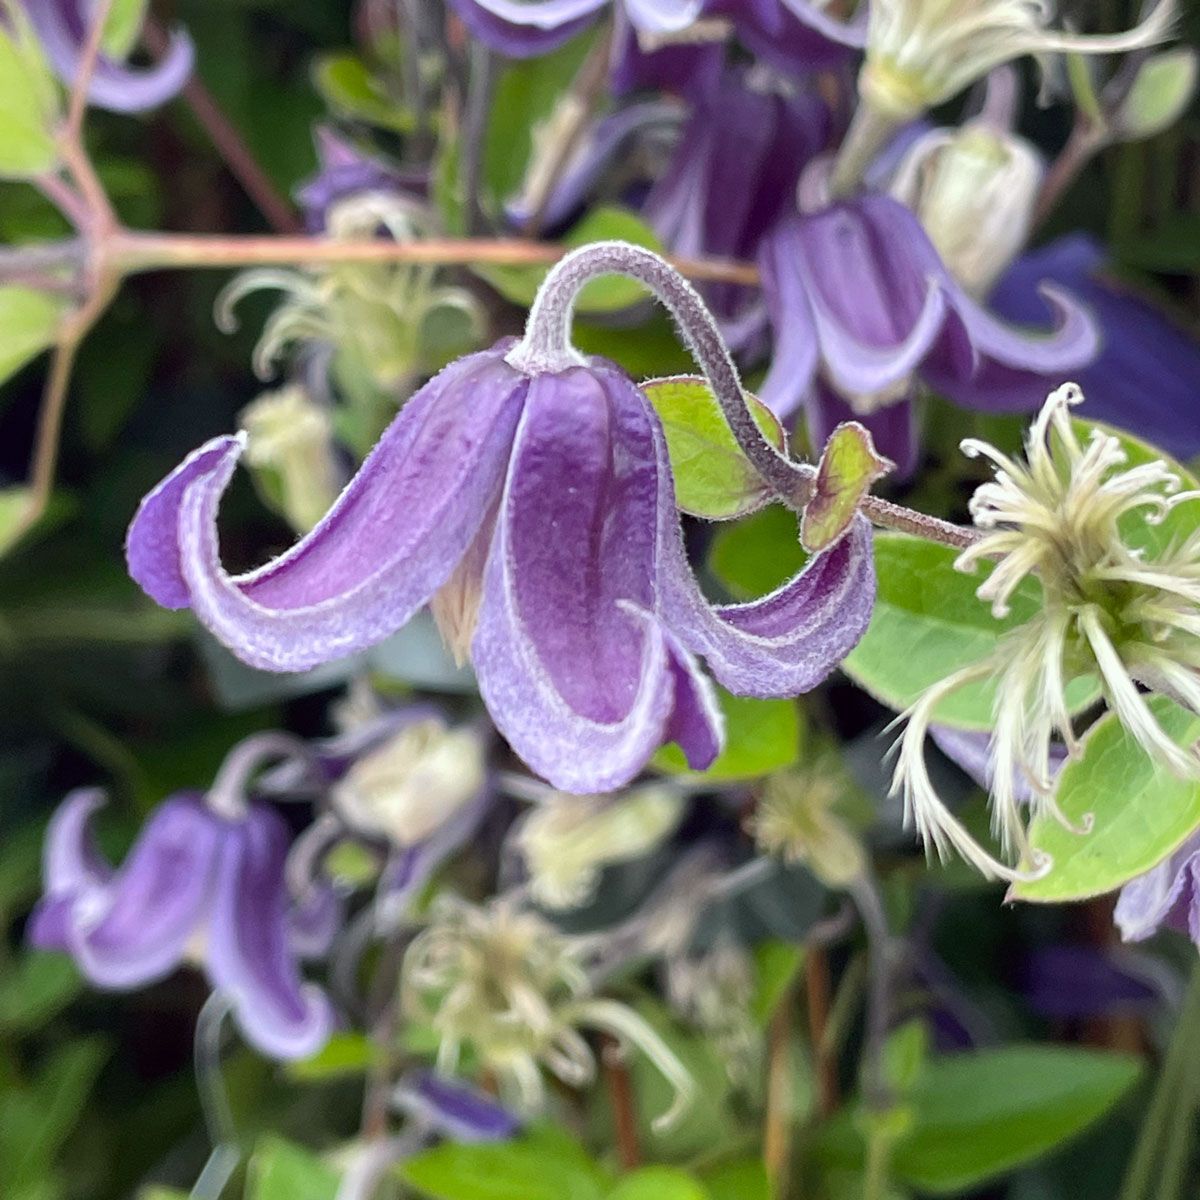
<point>414,783</point>
<point>567,840</point>
<point>974,189</point>
<point>289,446</point>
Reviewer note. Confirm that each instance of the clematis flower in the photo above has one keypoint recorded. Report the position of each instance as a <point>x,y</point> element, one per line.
<point>1111,609</point>
<point>200,886</point>
<point>524,28</point>
<point>1147,375</point>
<point>732,177</point>
<point>1166,897</point>
<point>539,505</point>
<point>794,36</point>
<point>863,308</point>
<point>62,28</point>
<point>454,1110</point>
<point>923,52</point>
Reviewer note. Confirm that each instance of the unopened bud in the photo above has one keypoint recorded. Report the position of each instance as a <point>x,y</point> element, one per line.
<point>974,190</point>
<point>290,450</point>
<point>568,840</point>
<point>414,783</point>
<point>1162,89</point>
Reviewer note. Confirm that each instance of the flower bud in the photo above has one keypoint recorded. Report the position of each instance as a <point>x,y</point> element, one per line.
<point>974,190</point>
<point>568,840</point>
<point>290,449</point>
<point>414,783</point>
<point>1162,89</point>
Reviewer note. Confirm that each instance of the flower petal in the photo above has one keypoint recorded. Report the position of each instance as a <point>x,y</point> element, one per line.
<point>696,723</point>
<point>391,540</point>
<point>455,1110</point>
<point>787,642</point>
<point>135,928</point>
<point>1147,375</point>
<point>525,30</point>
<point>62,29</point>
<point>249,957</point>
<point>1166,896</point>
<point>662,16</point>
<point>570,660</point>
<point>796,352</point>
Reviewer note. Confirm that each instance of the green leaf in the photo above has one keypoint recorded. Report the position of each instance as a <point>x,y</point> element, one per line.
<point>123,26</point>
<point>659,1183</point>
<point>35,990</point>
<point>610,293</point>
<point>281,1170</point>
<point>28,319</point>
<point>544,1164</point>
<point>345,1054</point>
<point>761,736</point>
<point>1140,811</point>
<point>981,1114</point>
<point>755,556</point>
<point>28,101</point>
<point>347,85</point>
<point>744,1179</point>
<point>713,477</point>
<point>928,623</point>
<point>1162,90</point>
<point>849,466</point>
<point>776,965</point>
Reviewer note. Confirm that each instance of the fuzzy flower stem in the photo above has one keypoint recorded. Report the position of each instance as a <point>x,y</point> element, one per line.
<point>868,133</point>
<point>547,347</point>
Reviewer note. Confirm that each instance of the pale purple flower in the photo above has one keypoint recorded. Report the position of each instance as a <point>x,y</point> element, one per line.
<point>523,28</point>
<point>346,171</point>
<point>1166,897</point>
<point>539,509</point>
<point>1146,377</point>
<point>62,28</point>
<point>454,1110</point>
<point>732,178</point>
<point>862,308</point>
<point>196,886</point>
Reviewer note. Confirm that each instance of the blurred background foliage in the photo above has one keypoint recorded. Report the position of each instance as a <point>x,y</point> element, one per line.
<point>97,1092</point>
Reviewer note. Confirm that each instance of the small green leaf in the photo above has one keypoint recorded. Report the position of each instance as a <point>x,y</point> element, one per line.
<point>38,988</point>
<point>1162,90</point>
<point>29,322</point>
<point>345,1054</point>
<point>980,1114</point>
<point>761,736</point>
<point>347,85</point>
<point>281,1170</point>
<point>544,1164</point>
<point>659,1183</point>
<point>743,1179</point>
<point>928,623</point>
<point>123,27</point>
<point>1140,811</point>
<point>776,965</point>
<point>28,101</point>
<point>849,466</point>
<point>609,293</point>
<point>713,477</point>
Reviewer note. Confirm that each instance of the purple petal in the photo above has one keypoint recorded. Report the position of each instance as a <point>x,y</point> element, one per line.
<point>134,928</point>
<point>455,1110</point>
<point>62,29</point>
<point>797,353</point>
<point>1167,895</point>
<point>973,753</point>
<point>570,660</point>
<point>787,642</point>
<point>1147,375</point>
<point>875,287</point>
<point>697,724</point>
<point>525,30</point>
<point>1078,982</point>
<point>792,35</point>
<point>662,16</point>
<point>893,428</point>
<point>249,958</point>
<point>391,540</point>
<point>683,68</point>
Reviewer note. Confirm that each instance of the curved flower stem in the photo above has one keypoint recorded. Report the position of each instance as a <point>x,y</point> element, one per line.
<point>227,795</point>
<point>880,958</point>
<point>214,1100</point>
<point>547,346</point>
<point>868,133</point>
<point>88,61</point>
